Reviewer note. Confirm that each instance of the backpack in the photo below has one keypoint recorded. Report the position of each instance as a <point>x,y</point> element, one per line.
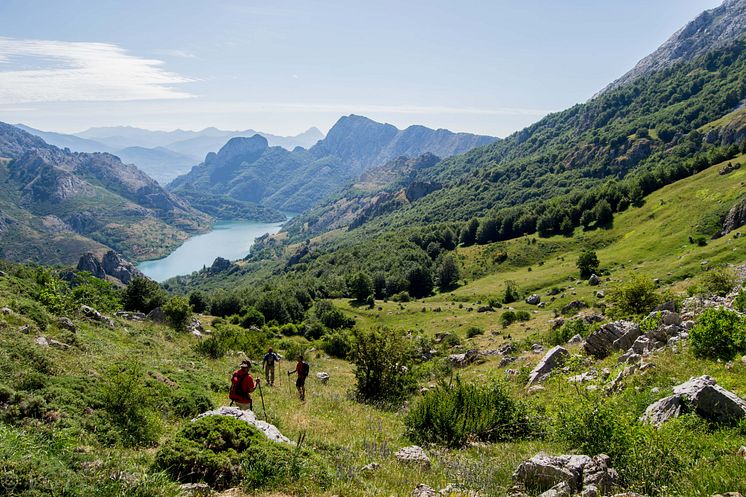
<point>306,368</point>
<point>237,392</point>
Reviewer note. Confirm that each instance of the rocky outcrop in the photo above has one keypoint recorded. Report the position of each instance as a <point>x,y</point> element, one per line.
<point>413,454</point>
<point>553,359</point>
<point>269,430</point>
<point>219,265</point>
<point>706,398</point>
<point>619,335</point>
<point>712,29</point>
<point>735,218</point>
<point>112,265</point>
<point>93,315</point>
<point>565,474</point>
<point>88,262</point>
<point>533,299</point>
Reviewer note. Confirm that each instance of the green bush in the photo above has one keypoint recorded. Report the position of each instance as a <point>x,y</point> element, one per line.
<point>143,294</point>
<point>250,316</point>
<point>634,298</point>
<point>232,337</point>
<point>509,317</point>
<point>332,317</point>
<point>568,330</point>
<point>451,416</point>
<point>224,452</point>
<point>719,334</point>
<point>383,365</point>
<point>473,331</point>
<point>718,282</point>
<point>587,263</point>
<point>178,312</point>
<point>199,302</point>
<point>740,301</point>
<point>190,403</point>
<point>129,404</point>
<point>511,292</point>
<point>336,344</point>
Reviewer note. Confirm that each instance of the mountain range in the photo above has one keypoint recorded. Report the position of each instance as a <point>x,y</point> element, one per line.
<point>249,169</point>
<point>163,155</point>
<point>56,205</point>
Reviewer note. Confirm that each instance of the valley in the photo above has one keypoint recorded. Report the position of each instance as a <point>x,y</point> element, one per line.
<point>558,312</point>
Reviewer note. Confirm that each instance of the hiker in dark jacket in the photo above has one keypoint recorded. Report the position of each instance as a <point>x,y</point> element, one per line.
<point>242,384</point>
<point>301,369</point>
<point>270,358</point>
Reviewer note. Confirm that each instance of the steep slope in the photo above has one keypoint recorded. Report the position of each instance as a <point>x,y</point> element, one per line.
<point>712,29</point>
<point>296,180</point>
<point>59,202</point>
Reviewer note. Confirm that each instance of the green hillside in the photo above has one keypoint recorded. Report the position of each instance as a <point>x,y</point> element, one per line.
<point>60,428</point>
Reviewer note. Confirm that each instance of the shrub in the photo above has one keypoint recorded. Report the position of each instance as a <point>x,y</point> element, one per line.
<point>225,304</point>
<point>199,302</point>
<point>178,312</point>
<point>231,337</point>
<point>719,334</point>
<point>400,297</point>
<point>568,330</point>
<point>450,416</point>
<point>332,317</point>
<point>634,297</point>
<point>511,292</point>
<point>420,281</point>
<point>474,331</point>
<point>509,317</point>
<point>587,263</point>
<point>190,403</point>
<point>361,286</point>
<point>143,294</point>
<point>336,344</point>
<point>447,273</point>
<point>129,404</point>
<point>250,316</point>
<point>739,303</point>
<point>382,359</point>
<point>718,281</point>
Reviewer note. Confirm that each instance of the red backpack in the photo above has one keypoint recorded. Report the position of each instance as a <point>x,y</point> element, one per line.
<point>237,391</point>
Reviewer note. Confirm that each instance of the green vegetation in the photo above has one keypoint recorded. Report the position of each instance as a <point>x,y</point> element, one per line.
<point>719,334</point>
<point>451,415</point>
<point>588,263</point>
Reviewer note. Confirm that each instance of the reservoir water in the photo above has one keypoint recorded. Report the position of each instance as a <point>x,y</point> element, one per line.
<point>228,239</point>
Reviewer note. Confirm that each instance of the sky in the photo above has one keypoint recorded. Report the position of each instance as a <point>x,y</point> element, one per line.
<point>279,66</point>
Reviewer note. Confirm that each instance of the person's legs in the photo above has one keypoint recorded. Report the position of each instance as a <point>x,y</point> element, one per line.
<point>244,407</point>
<point>271,375</point>
<point>266,374</point>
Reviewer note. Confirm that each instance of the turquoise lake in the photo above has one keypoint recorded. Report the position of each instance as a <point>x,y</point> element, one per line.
<point>228,239</point>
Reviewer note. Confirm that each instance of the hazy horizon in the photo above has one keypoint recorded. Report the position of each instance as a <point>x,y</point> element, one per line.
<point>281,69</point>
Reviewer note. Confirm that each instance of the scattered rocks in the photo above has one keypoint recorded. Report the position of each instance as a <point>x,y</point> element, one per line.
<point>566,474</point>
<point>249,417</point>
<point>92,314</point>
<point>24,329</point>
<point>130,316</point>
<point>163,379</point>
<point>600,294</point>
<point>594,280</point>
<point>7,311</point>
<point>413,454</point>
<point>195,490</point>
<point>533,299</point>
<point>2,274</point>
<point>370,467</point>
<point>462,360</point>
<point>485,308</point>
<point>41,341</point>
<point>575,339</point>
<point>535,389</point>
<point>322,377</point>
<point>573,306</point>
<point>66,324</point>
<point>704,395</point>
<point>554,358</point>
<point>537,348</point>
<point>423,490</point>
<point>618,335</point>
<point>58,345</point>
<point>742,452</point>
<point>556,323</point>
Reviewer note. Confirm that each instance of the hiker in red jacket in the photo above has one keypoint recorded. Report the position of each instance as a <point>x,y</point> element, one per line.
<point>301,369</point>
<point>242,384</point>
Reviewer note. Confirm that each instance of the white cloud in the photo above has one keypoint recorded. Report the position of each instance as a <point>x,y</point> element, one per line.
<point>62,71</point>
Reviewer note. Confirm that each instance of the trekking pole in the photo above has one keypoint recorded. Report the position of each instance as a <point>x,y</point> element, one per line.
<point>261,395</point>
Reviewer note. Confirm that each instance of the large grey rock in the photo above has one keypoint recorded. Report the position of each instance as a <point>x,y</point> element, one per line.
<point>462,360</point>
<point>92,314</point>
<point>413,454</point>
<point>599,474</point>
<point>249,417</point>
<point>66,324</point>
<point>706,397</point>
<point>544,471</point>
<point>89,262</point>
<point>554,358</point>
<point>157,315</point>
<point>195,490</point>
<point>533,299</point>
<point>619,335</point>
<point>594,280</point>
<point>562,489</point>
<point>115,266</point>
<point>566,474</point>
<point>423,490</point>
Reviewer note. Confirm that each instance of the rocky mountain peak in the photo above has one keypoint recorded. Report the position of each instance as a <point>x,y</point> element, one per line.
<point>240,147</point>
<point>711,29</point>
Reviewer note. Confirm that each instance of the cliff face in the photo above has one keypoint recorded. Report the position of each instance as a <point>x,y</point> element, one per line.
<point>711,29</point>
